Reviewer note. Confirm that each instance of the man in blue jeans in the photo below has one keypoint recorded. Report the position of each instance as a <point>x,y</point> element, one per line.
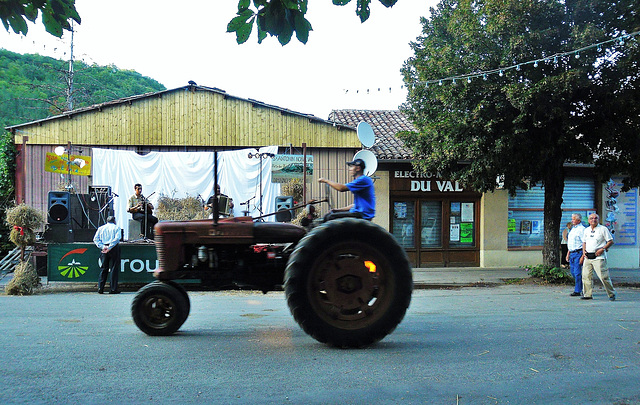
<point>364,198</point>
<point>574,253</point>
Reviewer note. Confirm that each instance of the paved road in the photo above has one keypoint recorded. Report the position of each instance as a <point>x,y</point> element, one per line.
<point>510,344</point>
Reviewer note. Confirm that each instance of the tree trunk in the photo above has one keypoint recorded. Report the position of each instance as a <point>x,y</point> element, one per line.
<point>553,189</point>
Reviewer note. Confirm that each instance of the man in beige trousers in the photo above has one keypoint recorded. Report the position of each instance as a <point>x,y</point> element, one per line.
<point>596,242</point>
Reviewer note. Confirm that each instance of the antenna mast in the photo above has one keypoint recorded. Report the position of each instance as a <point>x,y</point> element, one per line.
<point>70,76</point>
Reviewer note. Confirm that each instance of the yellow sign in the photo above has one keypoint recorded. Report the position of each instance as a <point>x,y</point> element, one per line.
<point>80,165</point>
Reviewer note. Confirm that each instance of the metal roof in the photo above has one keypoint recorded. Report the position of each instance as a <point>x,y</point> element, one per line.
<point>191,87</point>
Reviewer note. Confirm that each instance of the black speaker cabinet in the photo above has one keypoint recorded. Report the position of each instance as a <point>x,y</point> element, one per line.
<point>58,233</point>
<point>283,208</point>
<point>283,215</point>
<point>83,235</point>
<point>58,207</point>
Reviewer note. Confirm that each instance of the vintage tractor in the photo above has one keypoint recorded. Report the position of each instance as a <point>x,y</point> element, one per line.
<point>347,281</point>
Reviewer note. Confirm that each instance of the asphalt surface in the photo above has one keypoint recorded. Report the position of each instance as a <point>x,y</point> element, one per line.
<point>516,341</point>
<point>505,344</point>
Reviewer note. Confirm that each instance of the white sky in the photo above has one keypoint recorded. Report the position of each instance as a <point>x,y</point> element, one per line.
<point>174,42</point>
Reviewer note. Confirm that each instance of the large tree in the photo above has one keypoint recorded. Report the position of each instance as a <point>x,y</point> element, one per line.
<point>56,15</point>
<point>514,89</point>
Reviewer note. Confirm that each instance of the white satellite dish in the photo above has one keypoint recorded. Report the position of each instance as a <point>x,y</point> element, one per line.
<point>365,134</point>
<point>370,161</point>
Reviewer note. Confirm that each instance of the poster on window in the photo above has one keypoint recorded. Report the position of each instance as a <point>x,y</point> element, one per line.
<point>455,209</point>
<point>466,232</point>
<point>535,227</point>
<point>400,210</point>
<point>621,212</point>
<point>466,214</point>
<point>454,232</point>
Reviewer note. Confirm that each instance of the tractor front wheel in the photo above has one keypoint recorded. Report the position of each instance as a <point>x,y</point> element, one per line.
<point>159,309</point>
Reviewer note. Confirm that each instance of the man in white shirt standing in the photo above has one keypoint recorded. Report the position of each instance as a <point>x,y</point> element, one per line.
<point>596,242</point>
<point>107,239</point>
<point>574,253</point>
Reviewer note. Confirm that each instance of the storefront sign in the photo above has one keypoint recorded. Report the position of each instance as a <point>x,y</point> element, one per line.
<point>79,262</point>
<point>442,186</point>
<point>414,182</point>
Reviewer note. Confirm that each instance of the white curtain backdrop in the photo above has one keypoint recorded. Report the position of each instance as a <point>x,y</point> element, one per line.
<point>183,174</point>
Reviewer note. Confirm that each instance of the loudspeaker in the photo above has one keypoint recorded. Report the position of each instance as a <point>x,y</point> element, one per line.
<point>283,215</point>
<point>58,233</point>
<point>76,211</point>
<point>283,208</point>
<point>58,207</point>
<point>83,235</point>
<point>135,229</point>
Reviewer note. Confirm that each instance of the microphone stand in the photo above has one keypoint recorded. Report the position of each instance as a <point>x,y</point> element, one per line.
<point>246,212</point>
<point>145,221</point>
<point>261,155</point>
<point>112,197</point>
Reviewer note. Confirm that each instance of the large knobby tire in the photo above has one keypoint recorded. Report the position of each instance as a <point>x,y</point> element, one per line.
<point>159,309</point>
<point>348,283</point>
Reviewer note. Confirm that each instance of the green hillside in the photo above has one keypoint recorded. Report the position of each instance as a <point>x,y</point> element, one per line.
<point>33,87</point>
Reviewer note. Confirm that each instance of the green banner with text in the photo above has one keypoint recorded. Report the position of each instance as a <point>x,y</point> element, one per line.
<point>79,262</point>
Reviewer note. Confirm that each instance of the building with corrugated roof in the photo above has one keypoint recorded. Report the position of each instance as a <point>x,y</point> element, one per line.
<point>440,223</point>
<point>189,118</point>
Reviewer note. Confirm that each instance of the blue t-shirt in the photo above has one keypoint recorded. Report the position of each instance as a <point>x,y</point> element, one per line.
<point>364,198</point>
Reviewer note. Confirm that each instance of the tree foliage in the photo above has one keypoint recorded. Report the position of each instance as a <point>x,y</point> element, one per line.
<point>523,124</point>
<point>56,15</point>
<point>281,18</point>
<point>7,176</point>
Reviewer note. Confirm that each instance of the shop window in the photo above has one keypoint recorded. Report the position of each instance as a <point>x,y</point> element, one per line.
<point>526,211</point>
<point>403,220</point>
<point>461,224</point>
<point>431,224</point>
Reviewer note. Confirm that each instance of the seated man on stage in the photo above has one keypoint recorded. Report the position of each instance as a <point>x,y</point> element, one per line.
<point>225,209</point>
<point>141,210</point>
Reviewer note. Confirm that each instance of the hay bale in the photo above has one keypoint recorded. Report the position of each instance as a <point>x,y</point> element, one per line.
<point>293,188</point>
<point>309,213</point>
<point>25,280</point>
<point>24,216</point>
<point>22,237</point>
<point>179,209</point>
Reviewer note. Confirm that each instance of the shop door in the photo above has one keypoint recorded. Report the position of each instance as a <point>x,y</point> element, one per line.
<point>437,233</point>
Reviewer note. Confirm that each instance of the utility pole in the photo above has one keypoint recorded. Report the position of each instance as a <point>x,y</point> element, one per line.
<point>70,76</point>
